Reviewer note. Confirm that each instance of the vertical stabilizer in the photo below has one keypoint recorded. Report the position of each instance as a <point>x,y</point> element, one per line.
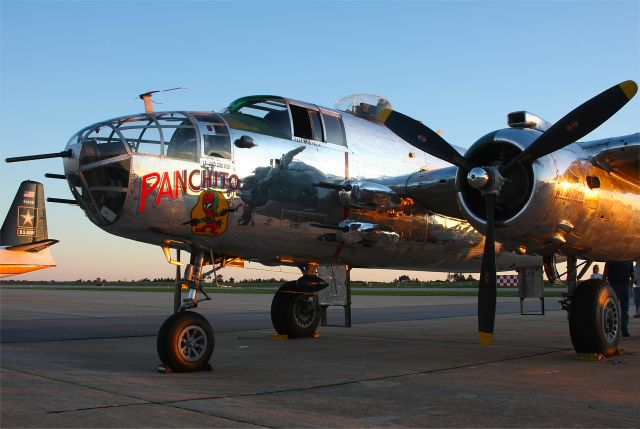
<point>26,221</point>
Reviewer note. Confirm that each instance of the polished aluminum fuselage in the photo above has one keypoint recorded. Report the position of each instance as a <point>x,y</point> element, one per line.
<point>288,219</point>
<point>280,201</point>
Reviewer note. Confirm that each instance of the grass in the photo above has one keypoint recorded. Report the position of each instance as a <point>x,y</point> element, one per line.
<point>270,289</point>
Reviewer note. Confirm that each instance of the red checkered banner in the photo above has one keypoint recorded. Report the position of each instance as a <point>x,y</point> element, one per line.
<point>507,280</point>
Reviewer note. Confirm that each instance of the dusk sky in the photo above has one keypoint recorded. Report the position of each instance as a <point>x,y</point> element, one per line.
<point>457,66</point>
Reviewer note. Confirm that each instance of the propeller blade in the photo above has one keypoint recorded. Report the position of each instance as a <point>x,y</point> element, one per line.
<point>487,287</point>
<point>421,136</point>
<point>576,124</point>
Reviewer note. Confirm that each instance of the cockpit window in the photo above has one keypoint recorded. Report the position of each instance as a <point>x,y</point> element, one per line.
<point>264,115</point>
<point>301,122</point>
<point>215,136</point>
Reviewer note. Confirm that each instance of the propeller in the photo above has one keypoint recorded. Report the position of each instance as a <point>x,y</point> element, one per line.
<point>488,180</point>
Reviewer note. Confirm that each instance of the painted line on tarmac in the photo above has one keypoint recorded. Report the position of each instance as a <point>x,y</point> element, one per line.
<point>141,402</point>
<point>381,378</point>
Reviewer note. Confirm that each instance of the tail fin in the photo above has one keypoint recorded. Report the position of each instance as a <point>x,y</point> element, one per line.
<point>26,222</point>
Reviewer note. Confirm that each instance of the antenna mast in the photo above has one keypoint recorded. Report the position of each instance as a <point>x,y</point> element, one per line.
<point>146,98</point>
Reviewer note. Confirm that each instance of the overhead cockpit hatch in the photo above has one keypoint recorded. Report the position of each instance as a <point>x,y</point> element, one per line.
<point>366,106</point>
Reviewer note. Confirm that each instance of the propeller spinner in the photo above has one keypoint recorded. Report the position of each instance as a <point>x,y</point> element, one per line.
<point>488,180</point>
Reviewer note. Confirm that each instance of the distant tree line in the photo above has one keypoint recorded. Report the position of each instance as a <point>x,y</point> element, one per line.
<point>401,281</point>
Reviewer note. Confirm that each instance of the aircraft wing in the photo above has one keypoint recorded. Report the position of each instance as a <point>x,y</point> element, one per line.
<point>618,155</point>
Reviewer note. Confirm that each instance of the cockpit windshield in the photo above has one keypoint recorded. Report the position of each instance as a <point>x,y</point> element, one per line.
<point>260,114</point>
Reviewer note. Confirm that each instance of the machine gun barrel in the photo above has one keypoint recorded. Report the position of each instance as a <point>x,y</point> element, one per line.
<point>63,154</point>
<point>62,201</point>
<point>55,176</point>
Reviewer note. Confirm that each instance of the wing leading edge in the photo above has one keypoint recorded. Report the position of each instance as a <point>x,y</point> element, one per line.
<point>617,155</point>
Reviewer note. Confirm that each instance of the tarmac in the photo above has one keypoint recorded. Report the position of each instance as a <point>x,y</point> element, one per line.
<point>88,359</point>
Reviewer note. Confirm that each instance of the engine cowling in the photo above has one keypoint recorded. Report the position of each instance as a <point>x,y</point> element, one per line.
<point>560,201</point>
<point>523,188</point>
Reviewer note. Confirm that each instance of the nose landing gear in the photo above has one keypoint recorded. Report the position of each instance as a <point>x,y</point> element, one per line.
<point>185,340</point>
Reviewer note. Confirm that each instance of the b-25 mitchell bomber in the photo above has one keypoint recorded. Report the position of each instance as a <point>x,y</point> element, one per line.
<point>284,182</point>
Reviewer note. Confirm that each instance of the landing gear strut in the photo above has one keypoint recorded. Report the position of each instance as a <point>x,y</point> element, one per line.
<point>185,340</point>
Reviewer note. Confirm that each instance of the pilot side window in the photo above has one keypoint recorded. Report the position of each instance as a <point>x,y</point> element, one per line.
<point>301,122</point>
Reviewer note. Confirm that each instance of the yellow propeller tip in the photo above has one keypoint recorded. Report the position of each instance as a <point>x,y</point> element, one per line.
<point>629,88</point>
<point>486,338</point>
<point>384,115</point>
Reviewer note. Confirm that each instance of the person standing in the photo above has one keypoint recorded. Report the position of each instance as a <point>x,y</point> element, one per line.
<point>619,275</point>
<point>636,288</point>
<point>596,273</point>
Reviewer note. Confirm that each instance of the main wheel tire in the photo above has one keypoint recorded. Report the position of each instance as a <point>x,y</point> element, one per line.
<point>185,342</point>
<point>594,318</point>
<point>161,340</point>
<point>295,314</point>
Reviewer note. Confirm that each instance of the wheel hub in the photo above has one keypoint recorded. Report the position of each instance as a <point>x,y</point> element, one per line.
<point>610,320</point>
<point>192,342</point>
<point>304,311</point>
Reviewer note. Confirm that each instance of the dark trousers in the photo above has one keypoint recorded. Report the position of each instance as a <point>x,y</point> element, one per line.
<point>623,296</point>
<point>636,298</point>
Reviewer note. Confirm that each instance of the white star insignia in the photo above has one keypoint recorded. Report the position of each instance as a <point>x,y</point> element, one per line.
<point>27,219</point>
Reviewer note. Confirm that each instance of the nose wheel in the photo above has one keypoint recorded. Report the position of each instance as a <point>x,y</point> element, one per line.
<point>185,342</point>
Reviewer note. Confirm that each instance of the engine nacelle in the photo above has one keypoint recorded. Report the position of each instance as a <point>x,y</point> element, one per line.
<point>561,201</point>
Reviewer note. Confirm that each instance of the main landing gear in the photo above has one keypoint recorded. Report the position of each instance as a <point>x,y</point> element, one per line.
<point>594,314</point>
<point>594,319</point>
<point>295,311</point>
